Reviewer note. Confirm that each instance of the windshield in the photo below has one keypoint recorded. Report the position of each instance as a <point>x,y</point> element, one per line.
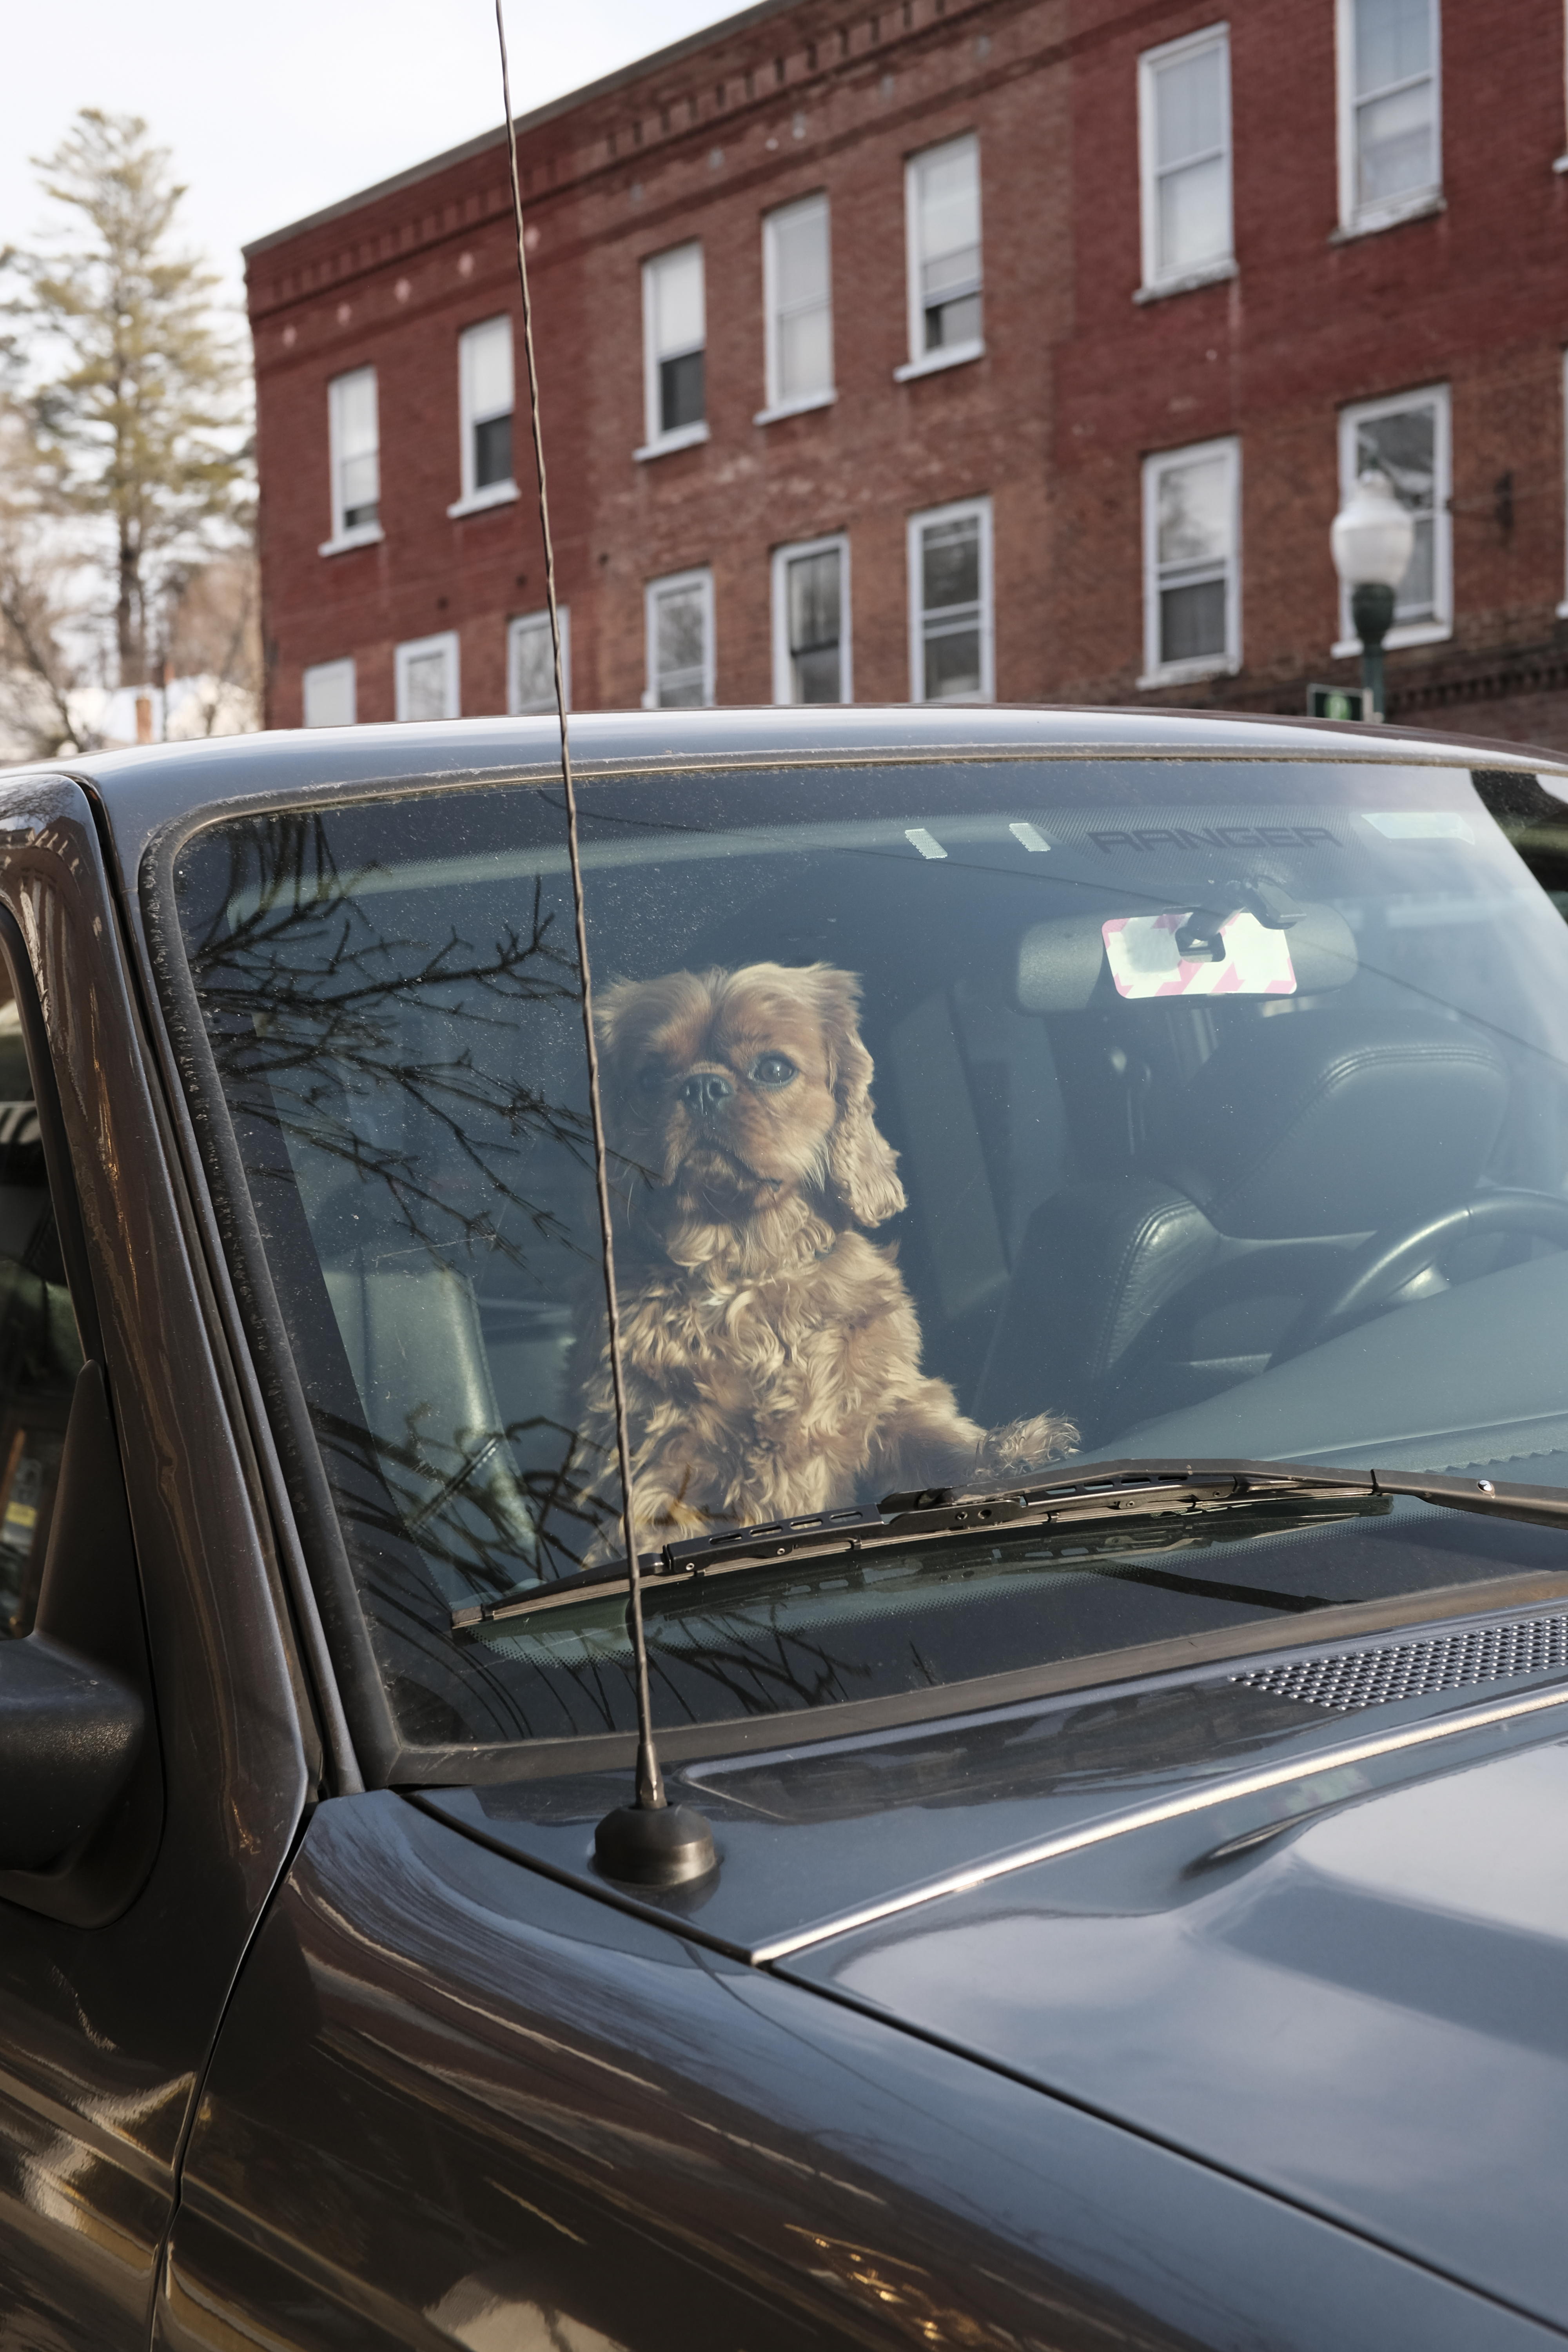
<point>964,1118</point>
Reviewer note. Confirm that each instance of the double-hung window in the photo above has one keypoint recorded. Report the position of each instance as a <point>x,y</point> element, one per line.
<point>798,291</point>
<point>941,216</point>
<point>425,677</point>
<point>675,336</point>
<point>1406,438</point>
<point>530,662</point>
<point>354,435</point>
<point>811,622</point>
<point>951,657</point>
<point>680,617</point>
<point>1389,54</point>
<point>328,693</point>
<point>1192,562</point>
<point>1183,125</point>
<point>485,405</point>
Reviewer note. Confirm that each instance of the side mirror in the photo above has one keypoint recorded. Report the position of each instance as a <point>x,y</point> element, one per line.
<point>82,1796</point>
<point>68,1737</point>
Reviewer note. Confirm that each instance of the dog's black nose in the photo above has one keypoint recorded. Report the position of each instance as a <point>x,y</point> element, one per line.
<point>706,1092</point>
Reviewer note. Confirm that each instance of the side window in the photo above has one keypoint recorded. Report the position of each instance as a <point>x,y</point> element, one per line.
<point>675,342</point>
<point>485,400</point>
<point>1390,115</point>
<point>40,1353</point>
<point>951,637</point>
<point>328,694</point>
<point>941,207</point>
<point>811,622</point>
<point>531,661</point>
<point>1184,126</point>
<point>1407,440</point>
<point>1192,562</point>
<point>680,642</point>
<point>353,432</point>
<point>798,280</point>
<point>425,677</point>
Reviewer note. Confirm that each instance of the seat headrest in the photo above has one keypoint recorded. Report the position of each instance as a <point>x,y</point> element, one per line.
<point>1331,1122</point>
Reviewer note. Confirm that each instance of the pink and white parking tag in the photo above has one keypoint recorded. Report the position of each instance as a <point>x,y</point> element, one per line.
<point>1146,960</point>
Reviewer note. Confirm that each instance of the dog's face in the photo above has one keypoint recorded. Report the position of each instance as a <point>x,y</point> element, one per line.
<point>736,1090</point>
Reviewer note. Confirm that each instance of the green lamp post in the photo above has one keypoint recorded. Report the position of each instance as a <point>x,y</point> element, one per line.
<point>1372,539</point>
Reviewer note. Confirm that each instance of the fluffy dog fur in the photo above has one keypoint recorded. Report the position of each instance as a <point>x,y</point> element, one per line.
<point>771,1353</point>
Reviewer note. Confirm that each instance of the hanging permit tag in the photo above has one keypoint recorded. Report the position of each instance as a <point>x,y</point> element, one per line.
<point>1146,960</point>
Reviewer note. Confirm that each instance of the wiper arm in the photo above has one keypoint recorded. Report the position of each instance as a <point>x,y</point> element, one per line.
<point>1128,1490</point>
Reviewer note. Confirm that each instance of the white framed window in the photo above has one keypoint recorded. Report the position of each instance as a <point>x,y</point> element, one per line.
<point>811,622</point>
<point>680,617</point>
<point>485,408</point>
<point>798,293</point>
<point>353,440</point>
<point>1389,66</point>
<point>1192,562</point>
<point>427,678</point>
<point>1407,437</point>
<point>329,697</point>
<point>675,340</point>
<point>950,634</point>
<point>941,225</point>
<point>1183,147</point>
<point>531,665</point>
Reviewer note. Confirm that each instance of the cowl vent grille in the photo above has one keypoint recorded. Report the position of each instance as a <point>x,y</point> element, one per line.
<point>1357,1678</point>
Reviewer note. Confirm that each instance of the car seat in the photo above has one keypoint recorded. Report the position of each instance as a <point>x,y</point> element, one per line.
<point>1295,1141</point>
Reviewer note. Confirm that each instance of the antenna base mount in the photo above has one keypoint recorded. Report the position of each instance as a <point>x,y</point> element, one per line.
<point>655,1845</point>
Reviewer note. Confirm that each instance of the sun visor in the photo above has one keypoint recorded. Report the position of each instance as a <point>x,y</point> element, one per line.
<point>1063,965</point>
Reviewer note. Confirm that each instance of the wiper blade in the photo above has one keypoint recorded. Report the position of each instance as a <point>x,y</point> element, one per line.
<point>1128,1490</point>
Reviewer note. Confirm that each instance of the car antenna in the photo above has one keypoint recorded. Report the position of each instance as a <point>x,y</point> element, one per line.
<point>651,1842</point>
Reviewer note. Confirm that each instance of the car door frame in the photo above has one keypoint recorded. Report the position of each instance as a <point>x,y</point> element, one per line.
<point>105,2030</point>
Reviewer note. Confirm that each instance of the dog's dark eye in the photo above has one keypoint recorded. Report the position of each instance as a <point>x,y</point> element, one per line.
<point>772,1070</point>
<point>653,1078</point>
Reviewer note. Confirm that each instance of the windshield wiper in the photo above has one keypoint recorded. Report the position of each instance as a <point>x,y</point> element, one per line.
<point>1127,1490</point>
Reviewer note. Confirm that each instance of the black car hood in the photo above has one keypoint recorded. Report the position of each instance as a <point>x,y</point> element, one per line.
<point>1319,1942</point>
<point>1367,2013</point>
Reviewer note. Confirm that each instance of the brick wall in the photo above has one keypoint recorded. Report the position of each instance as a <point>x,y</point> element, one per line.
<point>1078,381</point>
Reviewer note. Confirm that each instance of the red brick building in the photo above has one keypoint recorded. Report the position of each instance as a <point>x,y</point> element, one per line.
<point>1012,348</point>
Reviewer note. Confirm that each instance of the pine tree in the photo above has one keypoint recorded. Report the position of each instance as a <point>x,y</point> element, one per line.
<point>135,395</point>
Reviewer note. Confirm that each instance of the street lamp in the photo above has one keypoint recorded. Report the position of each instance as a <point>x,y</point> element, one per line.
<point>1372,539</point>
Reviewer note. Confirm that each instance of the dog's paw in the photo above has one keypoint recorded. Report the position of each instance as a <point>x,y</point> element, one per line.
<point>1019,1446</point>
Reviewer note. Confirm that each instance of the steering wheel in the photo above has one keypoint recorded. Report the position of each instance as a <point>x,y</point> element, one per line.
<point>1389,1260</point>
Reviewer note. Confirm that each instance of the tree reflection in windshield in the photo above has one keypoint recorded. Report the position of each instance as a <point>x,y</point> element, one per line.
<point>398,1068</point>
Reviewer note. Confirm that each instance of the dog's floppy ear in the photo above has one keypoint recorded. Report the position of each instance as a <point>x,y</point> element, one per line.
<point>611,1005</point>
<point>861,1167</point>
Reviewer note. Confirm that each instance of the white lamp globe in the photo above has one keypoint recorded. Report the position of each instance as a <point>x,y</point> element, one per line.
<point>1373,536</point>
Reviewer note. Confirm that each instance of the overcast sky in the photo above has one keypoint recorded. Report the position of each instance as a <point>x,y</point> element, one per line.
<point>277,108</point>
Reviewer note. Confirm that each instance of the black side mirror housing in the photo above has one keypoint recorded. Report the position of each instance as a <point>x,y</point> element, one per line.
<point>81,1793</point>
<point>68,1737</point>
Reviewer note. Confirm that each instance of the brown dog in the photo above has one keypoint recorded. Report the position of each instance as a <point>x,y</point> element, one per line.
<point>771,1353</point>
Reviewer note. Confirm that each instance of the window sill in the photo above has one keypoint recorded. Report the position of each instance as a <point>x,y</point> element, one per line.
<point>667,443</point>
<point>801,407</point>
<point>494,494</point>
<point>1412,633</point>
<point>366,536</point>
<point>1371,224</point>
<point>955,355</point>
<point>1214,273</point>
<point>1189,673</point>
